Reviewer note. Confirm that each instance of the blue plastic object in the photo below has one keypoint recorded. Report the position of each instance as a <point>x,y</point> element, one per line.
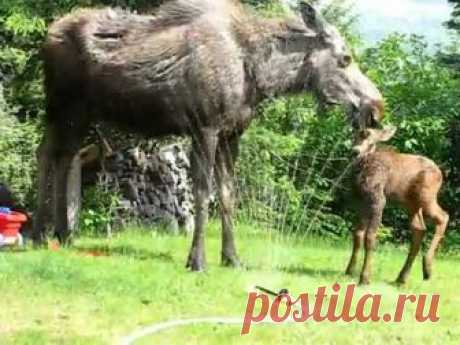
<point>5,210</point>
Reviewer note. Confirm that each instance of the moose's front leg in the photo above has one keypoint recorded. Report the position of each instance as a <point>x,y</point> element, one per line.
<point>203,159</point>
<point>227,154</point>
<point>62,168</point>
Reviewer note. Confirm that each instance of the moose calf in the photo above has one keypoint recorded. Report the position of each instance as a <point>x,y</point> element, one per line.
<point>413,181</point>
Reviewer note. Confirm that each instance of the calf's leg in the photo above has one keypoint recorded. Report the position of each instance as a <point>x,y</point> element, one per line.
<point>417,227</point>
<point>376,205</point>
<point>358,237</point>
<point>441,219</point>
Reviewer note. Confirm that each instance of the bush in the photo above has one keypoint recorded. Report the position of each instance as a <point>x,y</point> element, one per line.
<point>98,210</point>
<point>18,142</point>
<point>291,165</point>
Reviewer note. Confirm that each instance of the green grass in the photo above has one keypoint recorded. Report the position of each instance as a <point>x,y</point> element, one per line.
<point>68,297</point>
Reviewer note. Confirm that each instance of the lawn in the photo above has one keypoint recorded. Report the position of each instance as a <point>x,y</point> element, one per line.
<point>101,290</point>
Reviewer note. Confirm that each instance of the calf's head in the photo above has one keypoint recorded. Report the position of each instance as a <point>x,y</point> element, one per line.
<point>366,140</point>
<point>331,73</point>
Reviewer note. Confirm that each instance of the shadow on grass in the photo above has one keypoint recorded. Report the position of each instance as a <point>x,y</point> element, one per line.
<point>13,250</point>
<point>303,270</point>
<point>122,250</point>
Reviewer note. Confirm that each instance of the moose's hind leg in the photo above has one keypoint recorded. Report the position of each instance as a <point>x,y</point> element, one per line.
<point>44,156</point>
<point>227,154</point>
<point>203,159</point>
<point>61,176</point>
<point>68,136</point>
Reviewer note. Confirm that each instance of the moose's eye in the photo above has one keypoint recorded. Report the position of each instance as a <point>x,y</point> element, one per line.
<point>345,61</point>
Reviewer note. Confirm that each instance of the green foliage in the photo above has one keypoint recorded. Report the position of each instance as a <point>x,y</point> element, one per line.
<point>413,81</point>
<point>454,22</point>
<point>291,165</point>
<point>18,141</point>
<point>98,210</point>
<point>22,34</point>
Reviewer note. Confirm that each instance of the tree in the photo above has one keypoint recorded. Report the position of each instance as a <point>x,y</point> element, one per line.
<point>454,22</point>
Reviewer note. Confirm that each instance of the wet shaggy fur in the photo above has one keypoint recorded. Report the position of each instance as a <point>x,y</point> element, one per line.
<point>410,180</point>
<point>169,71</point>
<point>196,68</point>
<point>119,73</point>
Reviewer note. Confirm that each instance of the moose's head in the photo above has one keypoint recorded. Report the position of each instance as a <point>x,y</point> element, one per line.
<point>330,72</point>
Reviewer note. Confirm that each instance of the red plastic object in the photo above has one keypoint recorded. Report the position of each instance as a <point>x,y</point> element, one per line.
<point>10,224</point>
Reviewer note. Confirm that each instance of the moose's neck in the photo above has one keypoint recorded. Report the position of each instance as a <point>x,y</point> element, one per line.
<point>275,67</point>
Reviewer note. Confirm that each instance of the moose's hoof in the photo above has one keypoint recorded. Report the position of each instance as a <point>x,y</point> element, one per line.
<point>231,261</point>
<point>64,238</point>
<point>38,242</point>
<point>196,263</point>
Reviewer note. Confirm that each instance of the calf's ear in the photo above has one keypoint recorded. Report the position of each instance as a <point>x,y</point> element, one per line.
<point>387,133</point>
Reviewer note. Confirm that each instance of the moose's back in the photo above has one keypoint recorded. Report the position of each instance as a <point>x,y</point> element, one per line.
<point>152,73</point>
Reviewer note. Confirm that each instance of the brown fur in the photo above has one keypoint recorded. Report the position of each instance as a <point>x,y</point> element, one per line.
<point>414,182</point>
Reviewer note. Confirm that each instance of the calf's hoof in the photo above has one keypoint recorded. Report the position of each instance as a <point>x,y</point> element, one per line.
<point>349,272</point>
<point>363,281</point>
<point>400,281</point>
<point>426,269</point>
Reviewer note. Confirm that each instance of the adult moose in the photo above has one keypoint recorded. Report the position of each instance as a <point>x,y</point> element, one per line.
<point>197,68</point>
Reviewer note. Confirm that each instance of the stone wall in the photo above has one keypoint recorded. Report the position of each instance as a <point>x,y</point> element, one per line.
<point>153,184</point>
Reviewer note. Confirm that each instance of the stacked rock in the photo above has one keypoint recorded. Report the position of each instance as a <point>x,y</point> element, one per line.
<point>153,184</point>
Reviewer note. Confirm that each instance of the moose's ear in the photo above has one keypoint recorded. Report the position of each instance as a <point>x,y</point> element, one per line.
<point>310,15</point>
<point>387,133</point>
<point>298,30</point>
